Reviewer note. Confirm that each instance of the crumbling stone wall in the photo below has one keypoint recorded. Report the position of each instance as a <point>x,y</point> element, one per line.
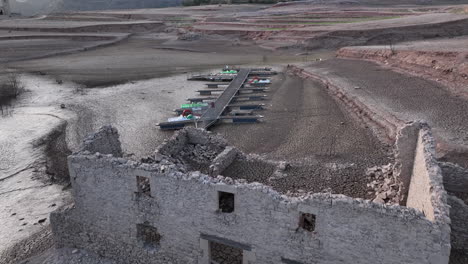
<point>223,160</point>
<point>183,207</point>
<point>426,190</point>
<point>105,141</point>
<point>405,148</point>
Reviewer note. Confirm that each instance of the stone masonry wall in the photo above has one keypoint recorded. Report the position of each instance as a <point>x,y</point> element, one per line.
<point>456,184</point>
<point>459,216</point>
<point>183,207</point>
<point>426,190</point>
<point>405,148</point>
<point>105,141</point>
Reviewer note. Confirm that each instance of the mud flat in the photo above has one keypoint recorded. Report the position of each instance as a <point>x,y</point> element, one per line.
<point>30,46</point>
<point>304,125</point>
<point>402,96</point>
<point>144,57</point>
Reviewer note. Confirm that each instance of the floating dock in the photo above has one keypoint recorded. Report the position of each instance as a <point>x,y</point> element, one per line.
<point>212,114</point>
<point>215,112</point>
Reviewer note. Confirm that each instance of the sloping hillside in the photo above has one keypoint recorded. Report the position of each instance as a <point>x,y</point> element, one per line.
<point>37,7</point>
<point>116,4</point>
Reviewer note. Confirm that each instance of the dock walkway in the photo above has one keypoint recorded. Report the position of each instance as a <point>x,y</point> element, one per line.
<point>212,114</point>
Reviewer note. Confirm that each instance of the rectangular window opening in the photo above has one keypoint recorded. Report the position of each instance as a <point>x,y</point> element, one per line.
<point>148,235</point>
<point>226,202</point>
<point>223,254</point>
<point>307,222</point>
<point>143,184</point>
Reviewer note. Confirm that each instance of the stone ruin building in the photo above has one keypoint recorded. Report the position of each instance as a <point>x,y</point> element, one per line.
<point>5,8</point>
<point>175,207</point>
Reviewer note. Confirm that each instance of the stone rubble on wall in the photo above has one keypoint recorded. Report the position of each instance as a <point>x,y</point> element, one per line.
<point>383,184</point>
<point>280,171</point>
<point>105,141</point>
<point>199,153</point>
<point>223,160</point>
<point>195,149</point>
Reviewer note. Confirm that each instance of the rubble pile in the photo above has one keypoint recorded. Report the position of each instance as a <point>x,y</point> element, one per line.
<point>198,156</point>
<point>199,153</point>
<point>383,184</point>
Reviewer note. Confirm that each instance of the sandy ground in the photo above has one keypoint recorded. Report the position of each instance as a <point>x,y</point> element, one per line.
<point>133,108</point>
<point>26,194</point>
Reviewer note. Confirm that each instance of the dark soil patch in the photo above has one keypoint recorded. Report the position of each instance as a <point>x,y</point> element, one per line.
<point>250,170</point>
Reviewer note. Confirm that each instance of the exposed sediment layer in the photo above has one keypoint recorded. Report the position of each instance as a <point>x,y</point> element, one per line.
<point>97,41</point>
<point>335,34</point>
<point>379,36</point>
<point>385,126</point>
<point>402,96</point>
<point>447,67</point>
<point>135,27</point>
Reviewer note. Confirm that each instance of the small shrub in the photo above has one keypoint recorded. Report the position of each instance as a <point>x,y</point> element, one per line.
<point>11,87</point>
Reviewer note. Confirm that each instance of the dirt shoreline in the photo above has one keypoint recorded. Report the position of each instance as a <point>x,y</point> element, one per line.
<point>447,68</point>
<point>384,125</point>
